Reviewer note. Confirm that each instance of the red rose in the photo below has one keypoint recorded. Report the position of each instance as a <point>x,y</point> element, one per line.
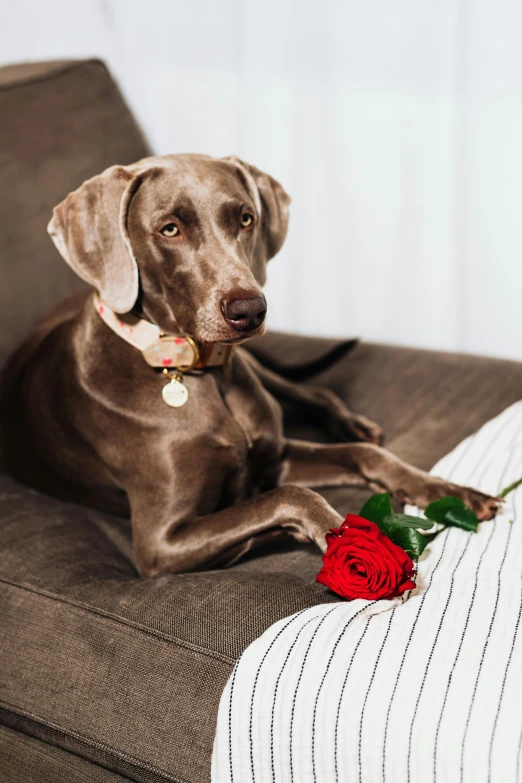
<point>361,562</point>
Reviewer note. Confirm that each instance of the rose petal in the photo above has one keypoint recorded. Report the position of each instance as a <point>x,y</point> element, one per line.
<point>361,562</point>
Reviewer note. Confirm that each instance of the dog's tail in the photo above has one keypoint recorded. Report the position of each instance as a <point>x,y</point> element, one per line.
<point>325,354</point>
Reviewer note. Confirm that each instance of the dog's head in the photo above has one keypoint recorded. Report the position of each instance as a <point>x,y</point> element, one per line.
<point>184,237</point>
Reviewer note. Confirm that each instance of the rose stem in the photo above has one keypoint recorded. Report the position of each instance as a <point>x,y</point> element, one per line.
<point>510,488</point>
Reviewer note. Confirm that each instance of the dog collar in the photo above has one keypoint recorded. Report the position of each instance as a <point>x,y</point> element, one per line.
<point>169,351</point>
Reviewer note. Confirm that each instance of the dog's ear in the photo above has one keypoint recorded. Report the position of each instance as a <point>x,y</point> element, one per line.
<point>89,228</point>
<point>274,204</point>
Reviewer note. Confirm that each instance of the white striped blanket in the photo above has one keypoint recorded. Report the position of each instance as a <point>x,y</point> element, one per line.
<point>428,688</point>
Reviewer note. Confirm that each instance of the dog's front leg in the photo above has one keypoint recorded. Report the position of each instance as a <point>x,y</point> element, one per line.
<point>315,465</point>
<point>319,403</point>
<point>164,542</point>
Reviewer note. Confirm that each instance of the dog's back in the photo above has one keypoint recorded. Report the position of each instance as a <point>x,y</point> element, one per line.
<point>19,447</point>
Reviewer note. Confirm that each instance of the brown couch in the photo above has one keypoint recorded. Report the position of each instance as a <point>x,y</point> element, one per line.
<point>104,677</point>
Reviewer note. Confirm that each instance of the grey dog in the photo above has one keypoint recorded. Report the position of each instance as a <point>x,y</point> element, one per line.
<point>180,244</point>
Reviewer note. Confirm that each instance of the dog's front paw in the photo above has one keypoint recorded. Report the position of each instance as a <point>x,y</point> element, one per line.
<point>424,493</point>
<point>485,506</point>
<point>360,428</point>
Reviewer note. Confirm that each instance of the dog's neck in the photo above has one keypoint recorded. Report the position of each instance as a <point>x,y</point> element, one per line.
<point>169,351</point>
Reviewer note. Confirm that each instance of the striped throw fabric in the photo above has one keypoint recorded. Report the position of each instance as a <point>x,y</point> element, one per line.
<point>424,689</point>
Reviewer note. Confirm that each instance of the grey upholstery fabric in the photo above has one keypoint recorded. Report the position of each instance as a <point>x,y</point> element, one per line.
<point>29,760</point>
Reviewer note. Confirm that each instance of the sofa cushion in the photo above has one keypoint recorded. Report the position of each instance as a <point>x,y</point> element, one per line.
<point>128,673</point>
<point>29,760</point>
<point>62,122</point>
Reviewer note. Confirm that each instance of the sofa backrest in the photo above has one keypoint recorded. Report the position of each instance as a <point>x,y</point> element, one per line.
<point>60,123</point>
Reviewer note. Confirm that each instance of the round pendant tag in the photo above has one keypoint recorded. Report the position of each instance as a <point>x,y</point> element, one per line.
<point>175,394</point>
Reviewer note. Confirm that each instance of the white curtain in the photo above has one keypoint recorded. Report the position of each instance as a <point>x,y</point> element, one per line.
<point>396,127</point>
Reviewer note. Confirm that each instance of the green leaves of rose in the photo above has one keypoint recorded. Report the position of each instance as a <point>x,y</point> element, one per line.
<point>404,530</point>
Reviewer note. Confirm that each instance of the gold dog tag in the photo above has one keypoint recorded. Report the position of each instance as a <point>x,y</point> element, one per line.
<point>170,352</point>
<point>175,393</point>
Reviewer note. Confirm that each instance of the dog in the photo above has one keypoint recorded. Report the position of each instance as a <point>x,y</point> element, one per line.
<point>140,401</point>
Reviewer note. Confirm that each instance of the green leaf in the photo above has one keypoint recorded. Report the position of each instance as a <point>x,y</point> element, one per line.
<point>407,520</point>
<point>438,510</point>
<point>377,507</point>
<point>463,518</point>
<point>413,542</point>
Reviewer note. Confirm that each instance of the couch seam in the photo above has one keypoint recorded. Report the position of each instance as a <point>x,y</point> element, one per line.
<point>53,74</point>
<point>46,745</point>
<point>122,621</point>
<point>92,742</point>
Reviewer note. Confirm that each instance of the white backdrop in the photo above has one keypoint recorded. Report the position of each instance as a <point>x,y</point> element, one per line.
<point>396,127</point>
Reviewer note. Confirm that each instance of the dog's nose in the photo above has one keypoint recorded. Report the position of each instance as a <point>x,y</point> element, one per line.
<point>245,314</point>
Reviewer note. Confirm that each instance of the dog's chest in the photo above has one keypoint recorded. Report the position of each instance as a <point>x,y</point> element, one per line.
<point>253,430</point>
<point>257,414</point>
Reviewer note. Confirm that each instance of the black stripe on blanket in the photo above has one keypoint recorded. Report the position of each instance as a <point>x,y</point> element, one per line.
<point>486,643</point>
<point>446,535</point>
<point>328,668</point>
<point>276,689</point>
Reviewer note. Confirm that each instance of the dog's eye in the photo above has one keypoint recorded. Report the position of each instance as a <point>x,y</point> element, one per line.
<point>246,220</point>
<point>170,230</point>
